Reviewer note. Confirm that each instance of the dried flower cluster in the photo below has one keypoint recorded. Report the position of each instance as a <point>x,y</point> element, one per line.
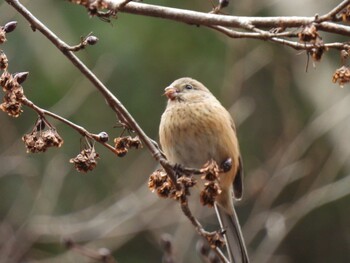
<point>211,174</point>
<point>95,8</point>
<point>345,14</point>
<point>123,144</point>
<point>161,183</point>
<point>309,34</point>
<point>11,84</point>
<point>42,138</point>
<point>86,160</point>
<point>216,239</point>
<point>342,76</point>
<point>13,92</point>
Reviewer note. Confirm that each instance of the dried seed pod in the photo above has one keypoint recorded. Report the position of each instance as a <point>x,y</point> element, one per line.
<point>309,34</point>
<point>209,193</point>
<point>39,140</point>
<point>341,76</point>
<point>345,14</point>
<point>210,171</point>
<point>317,52</point>
<point>160,183</point>
<point>216,239</point>
<point>86,160</point>
<point>122,144</point>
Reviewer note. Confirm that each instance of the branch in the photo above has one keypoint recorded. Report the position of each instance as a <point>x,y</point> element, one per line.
<point>332,14</point>
<point>305,30</point>
<point>76,127</point>
<point>112,101</point>
<point>123,115</point>
<point>207,19</point>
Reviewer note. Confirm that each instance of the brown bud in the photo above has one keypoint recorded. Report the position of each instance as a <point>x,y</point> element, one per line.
<point>91,40</point>
<point>103,136</point>
<point>10,26</point>
<point>21,77</point>
<point>223,3</point>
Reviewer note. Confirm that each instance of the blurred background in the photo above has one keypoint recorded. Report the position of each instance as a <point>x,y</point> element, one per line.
<point>293,128</point>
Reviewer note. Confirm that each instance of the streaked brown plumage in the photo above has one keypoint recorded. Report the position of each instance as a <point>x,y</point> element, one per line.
<point>195,128</point>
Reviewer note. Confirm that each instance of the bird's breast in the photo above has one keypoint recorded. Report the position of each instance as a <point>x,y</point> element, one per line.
<point>193,133</point>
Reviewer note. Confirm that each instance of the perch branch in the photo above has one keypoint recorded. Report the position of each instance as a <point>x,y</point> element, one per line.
<point>122,113</point>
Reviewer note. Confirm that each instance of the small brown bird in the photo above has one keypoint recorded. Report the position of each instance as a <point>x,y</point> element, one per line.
<point>196,128</point>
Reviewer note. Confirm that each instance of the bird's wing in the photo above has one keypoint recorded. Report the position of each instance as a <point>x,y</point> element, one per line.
<point>238,182</point>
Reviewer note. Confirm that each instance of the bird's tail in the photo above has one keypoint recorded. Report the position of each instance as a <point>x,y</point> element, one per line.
<point>235,244</point>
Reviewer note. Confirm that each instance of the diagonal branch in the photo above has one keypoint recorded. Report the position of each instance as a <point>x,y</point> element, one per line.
<point>332,14</point>
<point>112,101</point>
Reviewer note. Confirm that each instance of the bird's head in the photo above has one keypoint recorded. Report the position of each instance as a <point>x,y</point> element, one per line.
<point>186,89</point>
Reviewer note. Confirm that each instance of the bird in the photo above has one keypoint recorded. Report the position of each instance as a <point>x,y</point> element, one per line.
<point>196,128</point>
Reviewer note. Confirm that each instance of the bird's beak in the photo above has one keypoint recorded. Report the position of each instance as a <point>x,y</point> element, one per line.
<point>171,92</point>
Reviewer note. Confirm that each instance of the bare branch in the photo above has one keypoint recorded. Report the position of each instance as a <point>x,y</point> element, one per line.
<point>205,19</point>
<point>332,14</point>
<point>112,101</point>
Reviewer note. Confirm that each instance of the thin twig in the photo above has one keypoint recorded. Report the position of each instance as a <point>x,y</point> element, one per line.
<point>205,19</point>
<point>200,230</point>
<point>112,101</point>
<point>331,15</point>
<point>76,127</point>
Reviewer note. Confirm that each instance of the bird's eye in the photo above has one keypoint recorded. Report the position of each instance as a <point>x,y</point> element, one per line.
<point>188,86</point>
